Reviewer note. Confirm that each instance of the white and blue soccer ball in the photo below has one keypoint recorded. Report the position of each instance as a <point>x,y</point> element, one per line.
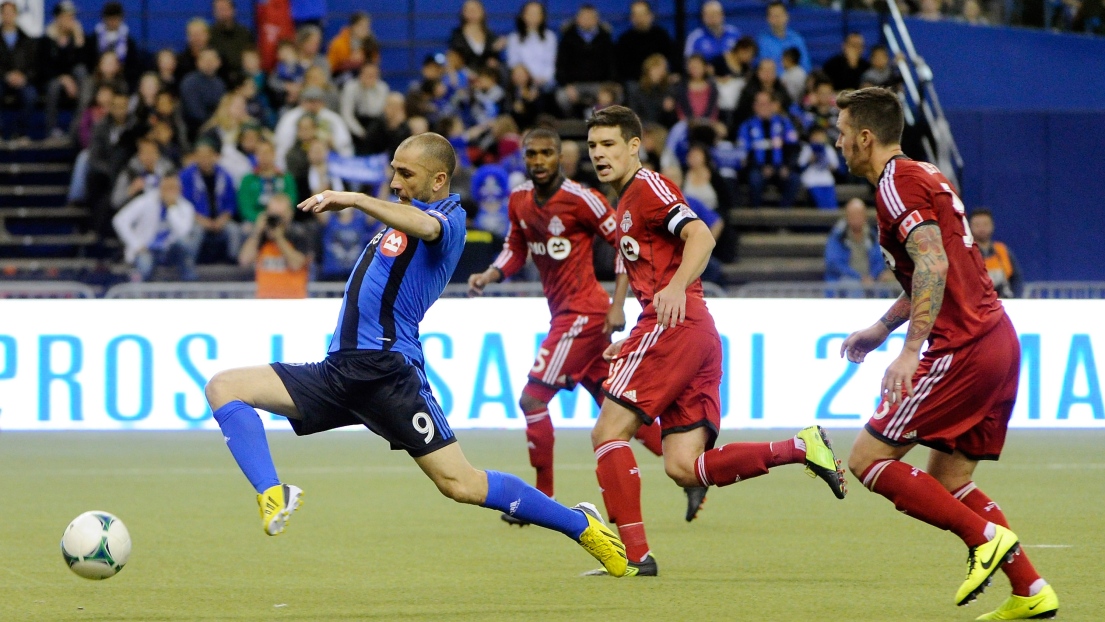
<point>96,545</point>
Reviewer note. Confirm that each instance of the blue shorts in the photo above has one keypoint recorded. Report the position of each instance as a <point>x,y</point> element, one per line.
<point>383,391</point>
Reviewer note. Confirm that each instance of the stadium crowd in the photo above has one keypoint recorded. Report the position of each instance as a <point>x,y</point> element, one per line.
<point>728,117</point>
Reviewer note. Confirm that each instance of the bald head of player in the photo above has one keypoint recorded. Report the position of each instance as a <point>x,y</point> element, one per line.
<point>870,124</point>
<point>423,166</point>
<point>541,152</point>
<point>614,144</point>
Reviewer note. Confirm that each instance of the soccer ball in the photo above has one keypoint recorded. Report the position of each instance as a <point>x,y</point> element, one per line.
<point>96,545</point>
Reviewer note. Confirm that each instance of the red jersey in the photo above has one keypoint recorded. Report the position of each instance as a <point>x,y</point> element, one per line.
<point>651,215</point>
<point>560,235</point>
<point>911,193</point>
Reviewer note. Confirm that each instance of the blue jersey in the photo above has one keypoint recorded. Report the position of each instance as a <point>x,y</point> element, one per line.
<point>395,281</point>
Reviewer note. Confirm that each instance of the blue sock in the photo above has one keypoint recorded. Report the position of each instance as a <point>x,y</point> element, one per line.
<point>245,437</point>
<point>509,494</point>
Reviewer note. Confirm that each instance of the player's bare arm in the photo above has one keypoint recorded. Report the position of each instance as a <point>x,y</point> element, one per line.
<point>671,302</point>
<point>478,281</point>
<point>615,317</point>
<point>399,216</point>
<point>860,343</point>
<point>926,247</point>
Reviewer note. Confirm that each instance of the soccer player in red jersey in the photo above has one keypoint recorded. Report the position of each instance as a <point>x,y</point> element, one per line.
<point>555,220</point>
<point>670,365</point>
<point>957,396</point>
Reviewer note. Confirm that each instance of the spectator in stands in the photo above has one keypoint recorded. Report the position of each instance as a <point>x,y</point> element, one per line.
<point>240,159</point>
<point>227,121</point>
<point>362,105</point>
<point>818,161</point>
<point>488,98</point>
<point>881,72</point>
<point>765,80</point>
<point>525,99</point>
<point>143,173</point>
<point>230,39</point>
<point>19,67</point>
<point>852,252</point>
<point>63,64</point>
<point>112,34</point>
<point>165,66</point>
<point>113,143</point>
<point>584,59</point>
<point>571,164</point>
<point>846,69</point>
<point>93,114</point>
<point>201,91</point>
<point>734,78</point>
<point>280,250</point>
<point>318,171</point>
<point>395,129</point>
<point>794,76</point>
<point>329,122</point>
<point>931,10</point>
<point>210,190</point>
<point>158,228</point>
<point>652,97</point>
<point>108,72</point>
<point>702,181</point>
<point>714,37</point>
<point>474,40</point>
<point>265,182</point>
<point>643,39</point>
<point>296,162</point>
<point>1001,263</point>
<point>696,96</point>
<point>308,41</point>
<point>972,14</point>
<point>771,143</point>
<point>256,103</point>
<point>197,39</point>
<point>716,222</point>
<point>144,100</point>
<point>318,78</point>
<point>344,237</point>
<point>779,37</point>
<point>167,112</point>
<point>353,46</point>
<point>822,112</point>
<point>740,59</point>
<point>286,79</point>
<point>259,104</point>
<point>532,44</point>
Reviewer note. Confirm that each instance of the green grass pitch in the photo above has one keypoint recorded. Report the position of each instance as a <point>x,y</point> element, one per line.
<point>375,541</point>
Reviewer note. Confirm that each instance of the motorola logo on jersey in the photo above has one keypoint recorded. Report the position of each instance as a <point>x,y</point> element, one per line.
<point>630,248</point>
<point>559,248</point>
<point>395,242</point>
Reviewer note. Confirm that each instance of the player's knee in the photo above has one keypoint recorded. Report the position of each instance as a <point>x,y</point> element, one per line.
<point>530,403</point>
<point>459,490</point>
<point>219,390</point>
<point>858,464</point>
<point>682,472</point>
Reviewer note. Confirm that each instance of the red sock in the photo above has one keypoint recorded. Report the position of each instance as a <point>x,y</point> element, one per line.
<point>1020,571</point>
<point>620,482</point>
<point>649,435</point>
<point>917,494</point>
<point>731,463</point>
<point>539,437</point>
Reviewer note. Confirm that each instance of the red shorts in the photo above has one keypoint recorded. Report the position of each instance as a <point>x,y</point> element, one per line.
<point>670,373</point>
<point>962,399</point>
<point>571,354</point>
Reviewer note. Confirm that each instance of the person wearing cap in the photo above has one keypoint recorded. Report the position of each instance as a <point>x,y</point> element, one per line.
<point>112,33</point>
<point>62,55</point>
<point>18,65</point>
<point>313,102</point>
<point>201,91</point>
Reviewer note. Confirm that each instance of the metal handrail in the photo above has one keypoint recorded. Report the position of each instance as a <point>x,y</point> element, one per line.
<point>1065,289</point>
<point>818,289</point>
<point>534,289</point>
<point>45,289</point>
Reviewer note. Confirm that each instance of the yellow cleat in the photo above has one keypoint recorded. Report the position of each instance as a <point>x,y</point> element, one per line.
<point>601,543</point>
<point>821,461</point>
<point>983,561</point>
<point>276,505</point>
<point>1043,605</point>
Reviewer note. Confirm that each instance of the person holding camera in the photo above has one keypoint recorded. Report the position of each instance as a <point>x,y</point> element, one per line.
<point>280,251</point>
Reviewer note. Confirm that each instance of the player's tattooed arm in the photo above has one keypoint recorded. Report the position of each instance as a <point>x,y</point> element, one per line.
<point>898,313</point>
<point>925,245</point>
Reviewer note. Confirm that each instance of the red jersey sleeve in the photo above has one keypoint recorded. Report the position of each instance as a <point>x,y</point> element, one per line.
<point>513,256</point>
<point>669,210</point>
<point>910,199</point>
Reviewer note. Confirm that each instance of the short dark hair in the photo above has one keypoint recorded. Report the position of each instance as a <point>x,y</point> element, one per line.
<point>436,149</point>
<point>542,132</point>
<point>620,117</point>
<point>793,55</point>
<point>981,211</point>
<point>875,109</point>
<point>112,9</point>
<point>776,3</point>
<point>358,16</point>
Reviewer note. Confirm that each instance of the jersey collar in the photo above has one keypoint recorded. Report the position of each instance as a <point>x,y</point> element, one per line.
<point>898,156</point>
<point>629,183</point>
<point>559,184</point>
<point>428,206</point>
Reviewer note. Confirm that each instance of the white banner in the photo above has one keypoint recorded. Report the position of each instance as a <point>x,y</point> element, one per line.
<point>142,364</point>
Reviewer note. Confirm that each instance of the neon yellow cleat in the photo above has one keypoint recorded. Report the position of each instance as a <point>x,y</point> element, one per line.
<point>983,561</point>
<point>645,568</point>
<point>601,543</point>
<point>821,461</point>
<point>276,505</point>
<point>1043,605</point>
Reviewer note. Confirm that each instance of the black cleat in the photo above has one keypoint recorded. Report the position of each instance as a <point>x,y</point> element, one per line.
<point>647,568</point>
<point>696,498</point>
<point>510,520</point>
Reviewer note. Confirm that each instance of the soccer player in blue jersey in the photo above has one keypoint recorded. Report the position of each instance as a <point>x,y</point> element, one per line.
<point>373,374</point>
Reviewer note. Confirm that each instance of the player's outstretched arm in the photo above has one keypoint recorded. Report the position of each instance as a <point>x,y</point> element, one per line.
<point>615,316</point>
<point>480,280</point>
<point>925,246</point>
<point>859,343</point>
<point>671,302</point>
<point>399,216</point>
